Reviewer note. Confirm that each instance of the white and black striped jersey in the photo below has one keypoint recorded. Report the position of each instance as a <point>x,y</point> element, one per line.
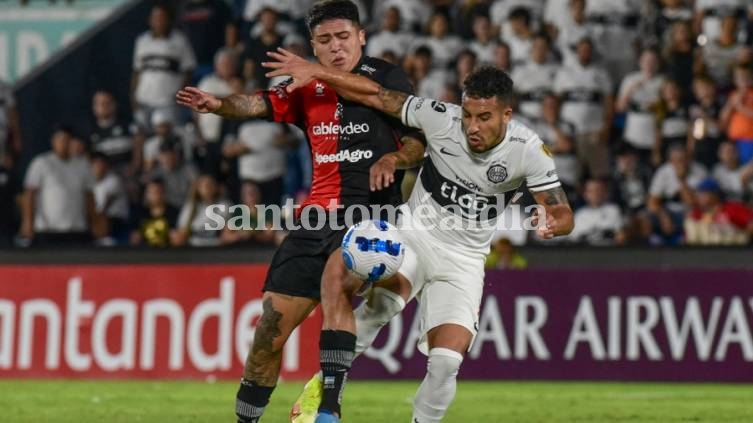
<point>457,185</point>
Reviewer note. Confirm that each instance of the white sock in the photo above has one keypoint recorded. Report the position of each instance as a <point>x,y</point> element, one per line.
<point>438,388</point>
<point>370,318</point>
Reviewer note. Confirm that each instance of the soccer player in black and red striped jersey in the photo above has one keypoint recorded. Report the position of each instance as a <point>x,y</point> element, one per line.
<point>355,152</point>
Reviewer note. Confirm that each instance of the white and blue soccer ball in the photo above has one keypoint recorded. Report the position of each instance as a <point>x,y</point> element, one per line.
<point>373,250</point>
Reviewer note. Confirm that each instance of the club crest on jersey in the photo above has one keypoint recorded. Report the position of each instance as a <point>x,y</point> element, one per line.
<point>496,174</point>
<point>438,106</point>
<point>546,150</point>
<point>319,89</point>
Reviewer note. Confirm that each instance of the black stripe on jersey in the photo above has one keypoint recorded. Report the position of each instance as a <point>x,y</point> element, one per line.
<point>405,115</point>
<point>458,199</point>
<point>556,181</point>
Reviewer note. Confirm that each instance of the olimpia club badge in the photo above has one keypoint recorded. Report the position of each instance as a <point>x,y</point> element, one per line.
<point>497,174</point>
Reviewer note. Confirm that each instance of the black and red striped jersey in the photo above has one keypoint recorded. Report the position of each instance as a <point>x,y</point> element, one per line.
<point>345,138</point>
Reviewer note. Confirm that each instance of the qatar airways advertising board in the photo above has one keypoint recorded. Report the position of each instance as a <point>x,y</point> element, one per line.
<point>197,321</point>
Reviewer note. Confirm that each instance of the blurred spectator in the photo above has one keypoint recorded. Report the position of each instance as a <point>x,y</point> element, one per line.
<point>464,65</point>
<point>260,149</point>
<point>637,98</point>
<point>503,255</point>
<point>58,206</point>
<point>414,14</point>
<point>444,46</point>
<point>598,222</point>
<point>110,199</point>
<point>679,54</point>
<point>208,26</point>
<point>257,47</point>
<point>671,196</point>
<point>631,180</point>
<point>573,30</point>
<point>728,173</point>
<point>390,37</point>
<point>737,114</point>
<point>715,221</point>
<point>10,128</point>
<point>258,229</point>
<point>500,11</point>
<point>156,218</point>
<point>719,55</point>
<point>534,78</point>
<point>672,121</point>
<point>112,136</point>
<point>483,43</point>
<point>428,79</point>
<point>615,26</point>
<point>559,136</point>
<point>519,36</point>
<point>706,133</point>
<point>669,13</point>
<point>163,62</point>
<point>502,57</point>
<point>178,176</point>
<point>587,102</point>
<point>77,148</point>
<point>10,188</point>
<point>193,219</point>
<point>220,83</point>
<point>166,129</point>
<point>710,14</point>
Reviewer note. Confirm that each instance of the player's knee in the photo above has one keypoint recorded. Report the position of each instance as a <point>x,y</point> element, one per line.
<point>444,364</point>
<point>382,306</point>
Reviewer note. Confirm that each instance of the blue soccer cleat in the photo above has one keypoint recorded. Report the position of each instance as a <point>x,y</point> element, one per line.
<point>325,417</point>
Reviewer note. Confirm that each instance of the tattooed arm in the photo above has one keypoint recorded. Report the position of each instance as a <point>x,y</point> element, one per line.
<point>559,215</point>
<point>236,106</point>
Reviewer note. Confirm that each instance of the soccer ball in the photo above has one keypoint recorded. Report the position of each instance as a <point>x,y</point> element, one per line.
<point>372,250</point>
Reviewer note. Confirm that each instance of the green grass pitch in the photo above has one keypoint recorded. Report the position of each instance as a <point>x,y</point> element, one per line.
<point>60,401</point>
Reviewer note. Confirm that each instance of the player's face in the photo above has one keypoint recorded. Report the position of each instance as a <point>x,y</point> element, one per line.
<point>484,122</point>
<point>338,43</point>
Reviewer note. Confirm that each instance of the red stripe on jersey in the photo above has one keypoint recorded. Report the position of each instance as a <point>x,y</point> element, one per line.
<point>315,108</point>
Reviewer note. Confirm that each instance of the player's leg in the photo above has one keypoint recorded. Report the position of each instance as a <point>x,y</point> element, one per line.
<point>337,341</point>
<point>291,293</point>
<point>447,345</point>
<point>389,297</point>
<point>281,315</point>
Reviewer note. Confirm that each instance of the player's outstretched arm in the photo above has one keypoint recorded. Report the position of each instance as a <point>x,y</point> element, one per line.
<point>236,106</point>
<point>559,215</point>
<point>350,86</point>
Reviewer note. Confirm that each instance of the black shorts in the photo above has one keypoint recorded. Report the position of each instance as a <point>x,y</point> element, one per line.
<point>298,264</point>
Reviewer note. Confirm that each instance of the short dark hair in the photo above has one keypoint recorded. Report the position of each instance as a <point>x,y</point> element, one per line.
<point>487,82</point>
<point>521,13</point>
<point>332,9</point>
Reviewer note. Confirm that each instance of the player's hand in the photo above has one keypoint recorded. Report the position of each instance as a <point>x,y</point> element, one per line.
<point>286,63</point>
<point>544,229</point>
<point>382,173</point>
<point>198,100</point>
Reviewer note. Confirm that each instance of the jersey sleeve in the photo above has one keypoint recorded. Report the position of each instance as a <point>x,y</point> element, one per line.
<point>284,106</point>
<point>35,174</point>
<point>430,116</point>
<point>541,173</point>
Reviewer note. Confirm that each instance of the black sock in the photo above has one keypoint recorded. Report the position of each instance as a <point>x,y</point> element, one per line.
<point>336,352</point>
<point>251,400</point>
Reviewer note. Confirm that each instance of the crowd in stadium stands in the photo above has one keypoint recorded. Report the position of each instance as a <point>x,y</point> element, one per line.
<point>646,105</point>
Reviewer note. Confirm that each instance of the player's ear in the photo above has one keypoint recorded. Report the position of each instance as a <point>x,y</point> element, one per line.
<point>313,47</point>
<point>362,36</point>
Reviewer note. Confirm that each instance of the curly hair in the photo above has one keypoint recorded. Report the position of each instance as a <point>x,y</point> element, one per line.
<point>487,82</point>
<point>332,9</point>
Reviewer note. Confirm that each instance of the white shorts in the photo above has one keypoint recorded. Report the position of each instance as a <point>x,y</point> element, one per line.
<point>448,285</point>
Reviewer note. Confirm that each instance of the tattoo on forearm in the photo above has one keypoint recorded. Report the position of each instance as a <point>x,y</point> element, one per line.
<point>392,101</point>
<point>240,106</point>
<point>554,196</point>
<point>412,153</point>
<point>261,363</point>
